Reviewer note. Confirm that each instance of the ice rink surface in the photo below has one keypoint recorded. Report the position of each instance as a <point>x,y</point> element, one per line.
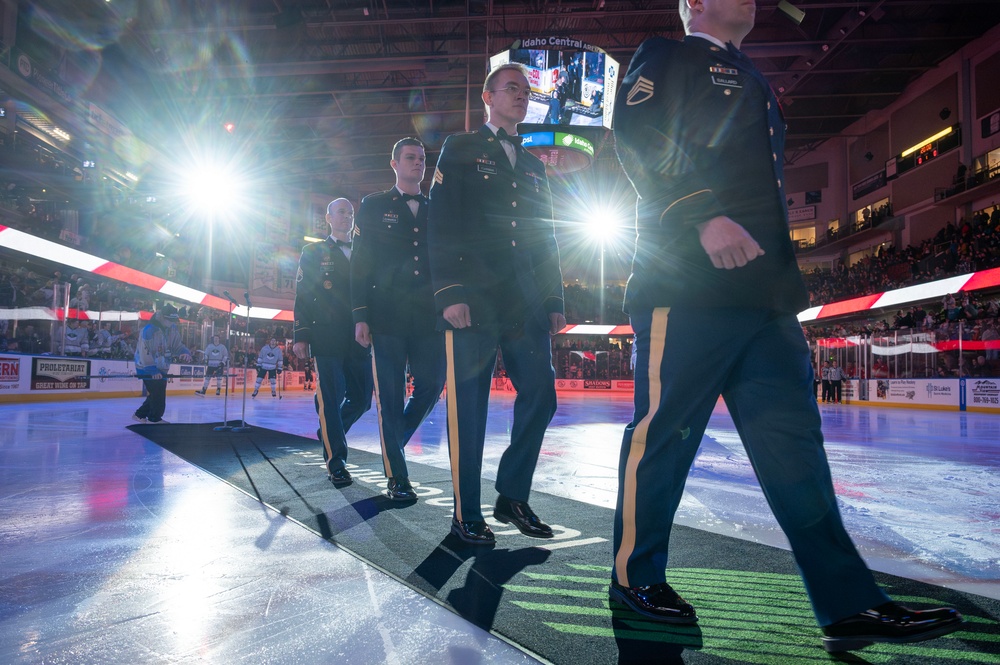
<point>106,538</point>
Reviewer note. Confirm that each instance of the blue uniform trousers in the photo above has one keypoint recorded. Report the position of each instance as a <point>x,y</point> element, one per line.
<point>471,355</point>
<point>399,416</point>
<point>758,360</point>
<point>343,394</point>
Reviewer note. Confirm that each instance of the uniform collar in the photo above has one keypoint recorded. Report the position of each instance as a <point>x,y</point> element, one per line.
<point>707,37</point>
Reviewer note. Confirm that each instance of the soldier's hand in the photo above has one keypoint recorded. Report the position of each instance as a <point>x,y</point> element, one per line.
<point>727,243</point>
<point>300,349</point>
<point>458,315</point>
<point>362,334</point>
<point>556,322</point>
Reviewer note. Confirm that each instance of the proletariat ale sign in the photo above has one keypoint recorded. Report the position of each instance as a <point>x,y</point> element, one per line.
<point>60,374</point>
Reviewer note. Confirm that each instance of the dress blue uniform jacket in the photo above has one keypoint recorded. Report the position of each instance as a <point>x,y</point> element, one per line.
<point>390,273</point>
<point>323,301</point>
<point>491,234</point>
<point>701,134</point>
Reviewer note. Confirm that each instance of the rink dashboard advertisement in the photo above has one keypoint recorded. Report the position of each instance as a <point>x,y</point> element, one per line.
<point>40,378</point>
<point>983,393</point>
<point>33,378</point>
<point>60,374</point>
<point>927,392</point>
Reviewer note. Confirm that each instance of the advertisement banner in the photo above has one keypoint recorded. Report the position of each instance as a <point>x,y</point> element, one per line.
<point>924,392</point>
<point>273,271</point>
<point>596,384</point>
<point>803,214</point>
<point>868,185</point>
<point>191,374</point>
<point>291,380</point>
<point>60,374</point>
<point>10,373</point>
<point>849,390</point>
<point>110,376</point>
<point>983,392</point>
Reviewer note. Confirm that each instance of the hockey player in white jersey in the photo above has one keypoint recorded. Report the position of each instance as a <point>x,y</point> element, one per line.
<point>268,364</point>
<point>77,339</point>
<point>217,356</point>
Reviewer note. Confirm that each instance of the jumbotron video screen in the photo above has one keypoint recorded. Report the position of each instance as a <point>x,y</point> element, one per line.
<point>571,84</point>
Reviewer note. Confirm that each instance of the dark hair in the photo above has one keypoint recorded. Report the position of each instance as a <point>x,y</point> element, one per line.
<point>397,149</point>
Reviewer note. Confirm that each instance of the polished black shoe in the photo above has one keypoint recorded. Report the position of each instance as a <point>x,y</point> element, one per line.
<point>341,478</point>
<point>473,532</point>
<point>890,622</point>
<point>656,601</point>
<point>520,514</point>
<point>400,490</point>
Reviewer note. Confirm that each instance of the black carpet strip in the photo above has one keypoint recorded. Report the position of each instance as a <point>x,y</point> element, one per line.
<point>550,596</point>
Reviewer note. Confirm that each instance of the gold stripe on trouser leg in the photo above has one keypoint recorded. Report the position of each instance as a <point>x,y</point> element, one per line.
<point>324,435</point>
<point>378,410</point>
<point>452,401</point>
<point>637,448</point>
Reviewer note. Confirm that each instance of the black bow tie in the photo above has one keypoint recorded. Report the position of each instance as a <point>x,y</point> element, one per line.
<point>419,198</point>
<point>504,136</point>
<point>341,243</point>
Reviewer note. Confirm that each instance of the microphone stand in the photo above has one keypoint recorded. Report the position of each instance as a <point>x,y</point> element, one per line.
<point>225,426</point>
<point>246,362</point>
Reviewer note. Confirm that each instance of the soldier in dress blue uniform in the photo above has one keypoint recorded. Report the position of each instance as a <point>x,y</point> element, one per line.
<point>394,309</point>
<point>324,328</point>
<point>701,136</point>
<point>497,283</point>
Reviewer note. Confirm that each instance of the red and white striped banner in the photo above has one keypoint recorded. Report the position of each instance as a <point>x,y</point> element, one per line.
<point>74,258</point>
<point>29,244</point>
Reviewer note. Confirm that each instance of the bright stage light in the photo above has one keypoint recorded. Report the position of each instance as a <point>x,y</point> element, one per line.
<point>604,224</point>
<point>213,189</point>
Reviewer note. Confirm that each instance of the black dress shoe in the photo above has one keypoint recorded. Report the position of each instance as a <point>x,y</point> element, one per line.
<point>473,532</point>
<point>656,601</point>
<point>341,478</point>
<point>890,622</point>
<point>400,490</point>
<point>520,514</point>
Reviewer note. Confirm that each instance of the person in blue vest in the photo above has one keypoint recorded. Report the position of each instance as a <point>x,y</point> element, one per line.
<point>497,284</point>
<point>700,135</point>
<point>394,309</point>
<point>158,346</point>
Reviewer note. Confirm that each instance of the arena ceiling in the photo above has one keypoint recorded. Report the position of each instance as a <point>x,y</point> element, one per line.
<point>318,90</point>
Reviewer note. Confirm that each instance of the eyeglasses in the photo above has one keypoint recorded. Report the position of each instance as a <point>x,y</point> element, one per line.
<point>513,89</point>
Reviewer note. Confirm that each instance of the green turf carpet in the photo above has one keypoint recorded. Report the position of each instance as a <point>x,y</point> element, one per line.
<point>550,596</point>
